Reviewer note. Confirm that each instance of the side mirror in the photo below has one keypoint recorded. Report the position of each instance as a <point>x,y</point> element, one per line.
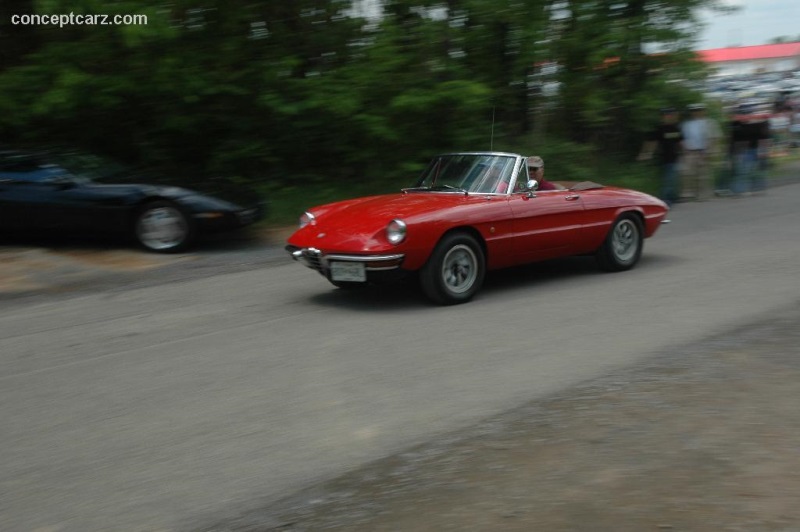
<point>531,187</point>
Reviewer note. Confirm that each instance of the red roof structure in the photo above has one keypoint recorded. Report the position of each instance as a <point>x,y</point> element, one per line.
<point>749,53</point>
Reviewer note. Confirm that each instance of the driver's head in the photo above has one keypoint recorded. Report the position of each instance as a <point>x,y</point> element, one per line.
<point>535,167</point>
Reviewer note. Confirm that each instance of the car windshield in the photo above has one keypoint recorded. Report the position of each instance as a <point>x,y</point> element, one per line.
<point>480,173</point>
<point>26,168</point>
<point>46,165</point>
<point>88,166</point>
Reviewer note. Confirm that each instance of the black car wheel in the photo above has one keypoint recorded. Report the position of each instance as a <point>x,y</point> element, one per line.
<point>455,271</point>
<point>163,227</point>
<point>623,245</point>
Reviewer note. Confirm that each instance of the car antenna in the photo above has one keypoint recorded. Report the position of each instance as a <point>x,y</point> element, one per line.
<point>491,138</point>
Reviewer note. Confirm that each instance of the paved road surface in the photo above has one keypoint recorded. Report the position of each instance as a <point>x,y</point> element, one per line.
<point>169,405</point>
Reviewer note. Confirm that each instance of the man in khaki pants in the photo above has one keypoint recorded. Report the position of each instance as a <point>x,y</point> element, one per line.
<point>701,137</point>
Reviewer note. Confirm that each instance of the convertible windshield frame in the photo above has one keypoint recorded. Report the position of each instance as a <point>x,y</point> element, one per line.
<point>482,173</point>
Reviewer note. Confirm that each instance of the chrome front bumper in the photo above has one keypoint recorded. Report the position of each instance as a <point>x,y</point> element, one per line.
<point>316,260</point>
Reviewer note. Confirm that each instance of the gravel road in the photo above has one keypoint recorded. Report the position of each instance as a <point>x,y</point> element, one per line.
<point>702,437</point>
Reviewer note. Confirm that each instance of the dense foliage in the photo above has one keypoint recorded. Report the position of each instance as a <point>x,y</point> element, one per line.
<point>274,91</point>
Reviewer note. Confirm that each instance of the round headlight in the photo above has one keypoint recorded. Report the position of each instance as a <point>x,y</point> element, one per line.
<point>307,219</point>
<point>396,231</point>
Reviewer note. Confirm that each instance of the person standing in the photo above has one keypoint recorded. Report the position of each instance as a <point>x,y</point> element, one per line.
<point>667,141</point>
<point>750,145</point>
<point>701,137</point>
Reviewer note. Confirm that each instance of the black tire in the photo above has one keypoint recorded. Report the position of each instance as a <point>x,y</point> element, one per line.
<point>623,244</point>
<point>455,271</point>
<point>162,226</point>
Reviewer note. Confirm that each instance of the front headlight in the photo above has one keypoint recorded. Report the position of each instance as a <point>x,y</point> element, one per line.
<point>396,231</point>
<point>307,219</point>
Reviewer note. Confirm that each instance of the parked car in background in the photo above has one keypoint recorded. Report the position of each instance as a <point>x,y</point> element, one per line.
<point>469,213</point>
<point>66,193</point>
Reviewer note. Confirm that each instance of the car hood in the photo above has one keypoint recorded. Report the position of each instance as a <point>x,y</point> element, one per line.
<point>220,188</point>
<point>359,224</point>
<point>381,210</point>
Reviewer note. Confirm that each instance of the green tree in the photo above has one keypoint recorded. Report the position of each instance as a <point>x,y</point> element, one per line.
<point>621,61</point>
<point>276,91</point>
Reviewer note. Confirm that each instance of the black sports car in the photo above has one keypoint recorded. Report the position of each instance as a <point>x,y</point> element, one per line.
<point>75,194</point>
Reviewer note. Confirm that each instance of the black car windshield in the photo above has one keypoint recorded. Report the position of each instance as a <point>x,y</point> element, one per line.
<point>88,166</point>
<point>477,173</point>
<point>46,166</point>
<point>27,168</point>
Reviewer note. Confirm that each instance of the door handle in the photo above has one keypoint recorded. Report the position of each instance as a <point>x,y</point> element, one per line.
<point>572,197</point>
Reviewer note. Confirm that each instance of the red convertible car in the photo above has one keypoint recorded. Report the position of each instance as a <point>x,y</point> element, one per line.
<point>469,213</point>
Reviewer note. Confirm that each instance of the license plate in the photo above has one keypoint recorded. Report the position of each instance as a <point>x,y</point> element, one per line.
<point>348,271</point>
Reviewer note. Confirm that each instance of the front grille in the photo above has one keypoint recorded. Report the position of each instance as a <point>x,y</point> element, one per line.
<point>313,261</point>
<point>313,258</point>
<point>309,257</point>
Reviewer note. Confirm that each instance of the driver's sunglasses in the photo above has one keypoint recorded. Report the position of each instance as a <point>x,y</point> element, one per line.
<point>534,168</point>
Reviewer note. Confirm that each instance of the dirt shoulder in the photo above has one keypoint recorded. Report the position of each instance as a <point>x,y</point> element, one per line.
<point>52,266</point>
<point>28,270</point>
<point>704,437</point>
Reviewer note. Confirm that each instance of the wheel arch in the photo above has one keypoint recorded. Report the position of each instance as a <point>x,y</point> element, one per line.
<point>640,214</point>
<point>634,211</point>
<point>473,232</point>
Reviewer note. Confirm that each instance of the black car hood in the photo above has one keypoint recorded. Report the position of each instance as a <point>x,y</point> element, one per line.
<point>221,188</point>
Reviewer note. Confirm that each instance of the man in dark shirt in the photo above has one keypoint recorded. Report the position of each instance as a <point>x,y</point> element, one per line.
<point>667,141</point>
<point>536,171</point>
<point>750,139</point>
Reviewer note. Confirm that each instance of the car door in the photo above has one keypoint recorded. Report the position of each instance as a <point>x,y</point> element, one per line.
<point>61,205</point>
<point>95,208</point>
<point>27,198</point>
<point>546,223</point>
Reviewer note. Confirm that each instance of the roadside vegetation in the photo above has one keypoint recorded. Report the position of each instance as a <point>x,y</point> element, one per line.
<point>314,100</point>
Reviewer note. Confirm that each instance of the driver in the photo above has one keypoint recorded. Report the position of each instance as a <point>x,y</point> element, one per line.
<point>536,171</point>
